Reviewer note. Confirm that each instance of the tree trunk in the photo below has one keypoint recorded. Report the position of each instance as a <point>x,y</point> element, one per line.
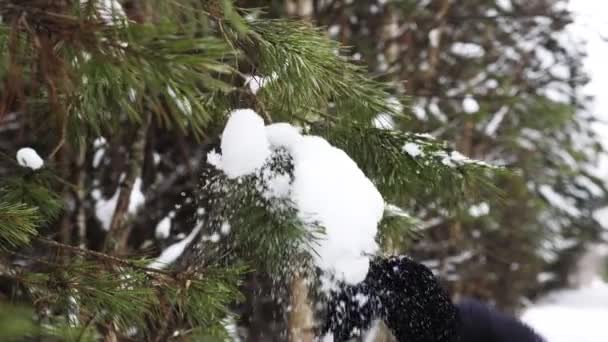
<point>118,235</point>
<point>301,314</point>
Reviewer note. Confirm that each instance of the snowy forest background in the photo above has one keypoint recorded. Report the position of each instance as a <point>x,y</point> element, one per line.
<point>470,118</point>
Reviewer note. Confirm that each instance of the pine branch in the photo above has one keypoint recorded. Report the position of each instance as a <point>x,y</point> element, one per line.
<point>159,68</point>
<point>411,165</point>
<point>266,233</point>
<point>15,322</point>
<point>103,257</point>
<point>306,72</point>
<point>127,293</point>
<point>398,230</point>
<point>124,296</point>
<point>18,224</point>
<point>34,190</point>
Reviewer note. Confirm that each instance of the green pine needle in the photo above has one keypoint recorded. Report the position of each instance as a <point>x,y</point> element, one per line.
<point>18,224</point>
<point>308,73</point>
<point>434,169</point>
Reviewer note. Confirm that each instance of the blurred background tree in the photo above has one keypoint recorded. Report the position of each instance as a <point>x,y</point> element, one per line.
<point>124,100</point>
<point>501,81</point>
<point>124,103</point>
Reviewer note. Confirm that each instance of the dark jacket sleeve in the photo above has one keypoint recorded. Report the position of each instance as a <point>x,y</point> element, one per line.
<point>411,301</point>
<point>482,323</point>
<point>404,294</point>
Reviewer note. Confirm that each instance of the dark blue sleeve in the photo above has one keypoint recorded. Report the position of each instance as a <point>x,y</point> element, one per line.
<point>482,323</point>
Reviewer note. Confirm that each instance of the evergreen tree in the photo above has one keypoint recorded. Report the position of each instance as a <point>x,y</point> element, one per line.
<point>500,81</point>
<point>126,102</point>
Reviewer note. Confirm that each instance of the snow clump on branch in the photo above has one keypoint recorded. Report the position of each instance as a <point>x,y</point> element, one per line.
<point>328,188</point>
<point>28,157</point>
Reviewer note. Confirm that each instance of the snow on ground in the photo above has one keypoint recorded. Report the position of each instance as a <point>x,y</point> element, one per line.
<point>328,188</point>
<point>575,315</point>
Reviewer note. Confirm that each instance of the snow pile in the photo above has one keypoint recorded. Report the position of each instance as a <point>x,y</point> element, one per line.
<point>28,157</point>
<point>572,315</point>
<point>283,135</point>
<point>328,187</point>
<point>244,143</point>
